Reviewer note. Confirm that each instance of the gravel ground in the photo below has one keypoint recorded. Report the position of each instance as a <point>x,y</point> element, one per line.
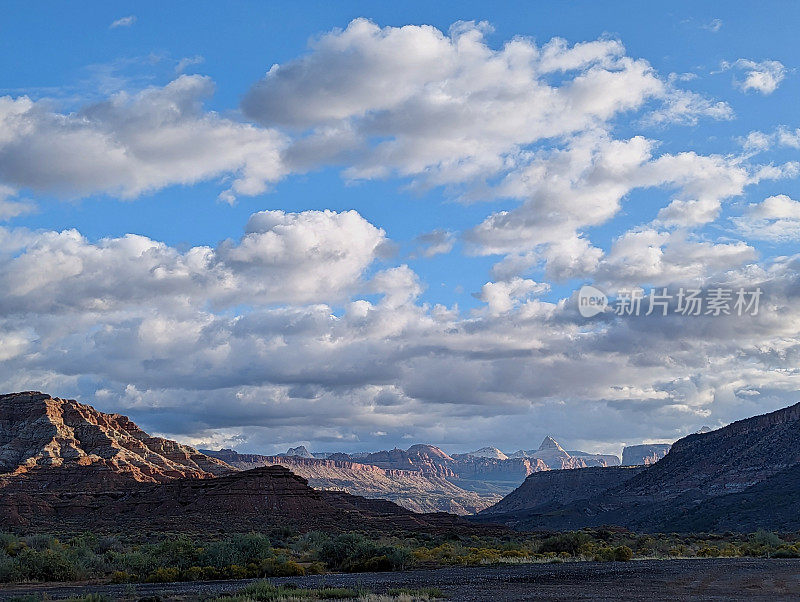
<point>696,579</point>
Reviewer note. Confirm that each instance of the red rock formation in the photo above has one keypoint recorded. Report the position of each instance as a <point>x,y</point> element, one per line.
<point>38,431</point>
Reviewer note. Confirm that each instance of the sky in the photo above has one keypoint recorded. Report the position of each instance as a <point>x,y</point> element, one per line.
<point>363,225</point>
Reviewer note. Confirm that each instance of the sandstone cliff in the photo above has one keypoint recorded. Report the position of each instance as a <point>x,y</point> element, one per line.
<point>416,490</point>
<point>38,431</point>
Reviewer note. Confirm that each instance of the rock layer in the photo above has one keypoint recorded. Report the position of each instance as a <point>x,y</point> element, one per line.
<point>415,490</point>
<point>38,431</point>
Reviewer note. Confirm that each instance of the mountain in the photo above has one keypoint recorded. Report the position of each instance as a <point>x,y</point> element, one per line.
<point>640,455</point>
<point>741,477</point>
<point>489,477</point>
<point>415,490</point>
<point>298,452</point>
<point>65,465</point>
<point>488,452</point>
<point>556,457</point>
<point>427,459</point>
<point>551,488</point>
<point>38,431</point>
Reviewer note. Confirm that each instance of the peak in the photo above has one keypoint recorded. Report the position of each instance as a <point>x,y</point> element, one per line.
<point>300,451</point>
<point>424,449</point>
<point>703,429</point>
<point>549,443</point>
<point>489,452</point>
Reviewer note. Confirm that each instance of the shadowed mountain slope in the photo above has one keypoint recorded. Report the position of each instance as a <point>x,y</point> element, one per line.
<point>741,477</point>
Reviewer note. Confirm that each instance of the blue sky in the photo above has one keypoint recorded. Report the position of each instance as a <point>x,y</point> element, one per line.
<point>686,84</point>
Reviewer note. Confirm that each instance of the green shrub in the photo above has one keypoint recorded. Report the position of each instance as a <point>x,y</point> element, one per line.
<point>787,552</point>
<point>564,542</point>
<point>603,555</point>
<point>623,553</point>
<point>45,565</point>
<point>164,575</point>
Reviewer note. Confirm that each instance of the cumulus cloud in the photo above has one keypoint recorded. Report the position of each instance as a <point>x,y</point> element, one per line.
<point>282,374</point>
<point>501,297</point>
<point>782,136</point>
<point>404,100</point>
<point>581,185</point>
<point>763,77</point>
<point>131,144</point>
<point>775,219</point>
<point>307,257</point>
<point>301,330</point>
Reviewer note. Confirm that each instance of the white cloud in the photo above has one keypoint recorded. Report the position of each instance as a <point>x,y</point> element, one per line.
<point>307,257</point>
<point>10,208</point>
<point>403,101</point>
<point>123,22</point>
<point>647,255</point>
<point>501,297</point>
<point>782,136</point>
<point>775,219</point>
<point>582,185</point>
<point>687,107</point>
<point>764,76</point>
<point>188,61</point>
<point>132,144</point>
<point>436,242</point>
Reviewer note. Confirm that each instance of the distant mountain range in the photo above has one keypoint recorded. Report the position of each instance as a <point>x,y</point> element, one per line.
<point>423,478</point>
<point>65,465</point>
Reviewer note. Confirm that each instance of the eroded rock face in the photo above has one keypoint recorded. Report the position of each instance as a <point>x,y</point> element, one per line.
<point>644,455</point>
<point>412,489</point>
<point>38,432</point>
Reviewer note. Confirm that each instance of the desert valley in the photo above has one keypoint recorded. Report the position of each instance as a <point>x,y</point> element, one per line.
<point>68,469</point>
<point>399,301</point>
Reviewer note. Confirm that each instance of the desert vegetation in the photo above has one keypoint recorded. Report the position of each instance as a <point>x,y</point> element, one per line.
<point>165,557</point>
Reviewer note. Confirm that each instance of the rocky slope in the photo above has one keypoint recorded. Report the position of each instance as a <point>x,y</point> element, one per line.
<point>643,455</point>
<point>551,488</point>
<point>38,431</point>
<point>254,499</point>
<point>743,477</point>
<point>415,490</point>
